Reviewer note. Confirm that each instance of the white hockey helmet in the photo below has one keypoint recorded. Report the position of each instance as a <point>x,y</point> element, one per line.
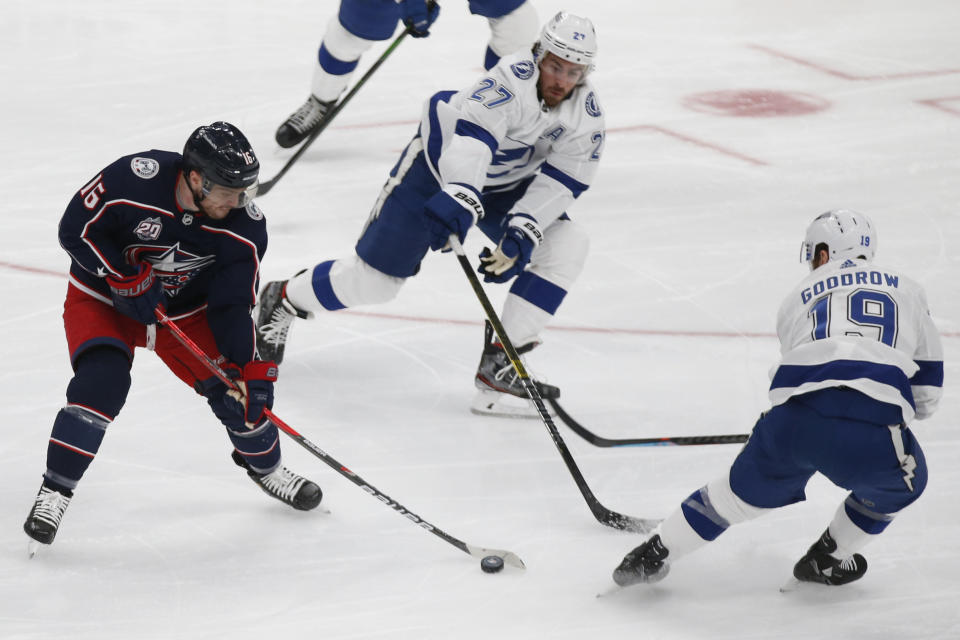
<point>846,233</point>
<point>569,37</point>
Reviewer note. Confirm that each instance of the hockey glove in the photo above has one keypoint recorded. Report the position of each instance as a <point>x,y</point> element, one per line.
<point>513,253</point>
<point>138,295</point>
<point>254,391</point>
<point>453,210</point>
<point>418,15</point>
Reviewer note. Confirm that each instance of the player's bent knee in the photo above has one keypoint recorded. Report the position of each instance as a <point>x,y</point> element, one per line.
<point>728,504</point>
<point>561,257</point>
<point>515,30</point>
<point>101,380</point>
<point>356,283</point>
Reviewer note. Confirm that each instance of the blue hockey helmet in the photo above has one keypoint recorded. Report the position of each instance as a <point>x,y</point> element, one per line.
<point>222,155</point>
<point>846,234</point>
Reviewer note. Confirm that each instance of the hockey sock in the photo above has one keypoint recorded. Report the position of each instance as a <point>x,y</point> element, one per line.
<point>74,442</point>
<point>707,512</point>
<point>95,395</point>
<point>260,447</point>
<point>854,526</point>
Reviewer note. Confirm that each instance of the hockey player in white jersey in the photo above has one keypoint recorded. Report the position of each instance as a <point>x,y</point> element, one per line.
<point>509,154</point>
<point>861,358</point>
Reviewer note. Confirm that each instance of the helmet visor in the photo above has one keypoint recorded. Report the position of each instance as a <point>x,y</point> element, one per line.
<point>236,197</point>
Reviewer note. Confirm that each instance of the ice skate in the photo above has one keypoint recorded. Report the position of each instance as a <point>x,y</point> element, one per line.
<point>284,485</point>
<point>303,122</point>
<point>818,565</point>
<point>274,315</point>
<point>500,392</point>
<point>45,516</point>
<point>646,564</point>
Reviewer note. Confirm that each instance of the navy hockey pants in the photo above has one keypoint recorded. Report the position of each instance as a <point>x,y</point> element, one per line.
<point>881,463</point>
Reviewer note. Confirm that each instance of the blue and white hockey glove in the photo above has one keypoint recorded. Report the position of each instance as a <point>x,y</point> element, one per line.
<point>254,391</point>
<point>418,15</point>
<point>138,295</point>
<point>511,256</point>
<point>453,210</point>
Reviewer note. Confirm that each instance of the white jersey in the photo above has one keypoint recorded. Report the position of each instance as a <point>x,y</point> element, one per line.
<point>498,132</point>
<point>858,325</point>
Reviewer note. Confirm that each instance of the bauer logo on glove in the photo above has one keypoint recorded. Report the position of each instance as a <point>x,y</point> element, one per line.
<point>513,253</point>
<point>137,296</point>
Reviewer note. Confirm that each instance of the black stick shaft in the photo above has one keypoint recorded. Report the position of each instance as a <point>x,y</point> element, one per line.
<point>508,556</point>
<point>265,187</point>
<point>600,512</point>
<point>600,441</point>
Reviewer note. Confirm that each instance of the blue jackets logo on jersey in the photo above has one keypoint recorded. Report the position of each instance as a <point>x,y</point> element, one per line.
<point>145,168</point>
<point>592,107</point>
<point>523,70</point>
<point>174,266</point>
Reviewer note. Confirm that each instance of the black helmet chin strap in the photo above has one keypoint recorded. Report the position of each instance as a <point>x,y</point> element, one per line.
<point>197,196</point>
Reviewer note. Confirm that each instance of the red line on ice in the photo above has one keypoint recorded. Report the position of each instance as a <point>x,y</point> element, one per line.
<point>685,138</point>
<point>938,103</point>
<point>851,76</point>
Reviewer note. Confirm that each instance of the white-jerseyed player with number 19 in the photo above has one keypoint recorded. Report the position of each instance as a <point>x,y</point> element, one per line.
<point>509,154</point>
<point>861,358</point>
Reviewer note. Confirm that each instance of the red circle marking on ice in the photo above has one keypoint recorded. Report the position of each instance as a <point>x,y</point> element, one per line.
<point>755,103</point>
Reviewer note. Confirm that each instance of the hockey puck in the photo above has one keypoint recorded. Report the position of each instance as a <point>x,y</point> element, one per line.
<point>491,564</point>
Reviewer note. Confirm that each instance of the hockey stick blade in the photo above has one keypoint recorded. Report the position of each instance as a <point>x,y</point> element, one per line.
<point>600,441</point>
<point>600,512</point>
<point>479,552</point>
<point>507,556</point>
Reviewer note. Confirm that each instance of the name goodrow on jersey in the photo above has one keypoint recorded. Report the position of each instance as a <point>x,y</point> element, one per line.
<point>876,278</point>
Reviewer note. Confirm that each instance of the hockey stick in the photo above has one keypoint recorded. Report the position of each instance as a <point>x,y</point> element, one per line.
<point>265,187</point>
<point>478,552</point>
<point>600,441</point>
<point>600,512</point>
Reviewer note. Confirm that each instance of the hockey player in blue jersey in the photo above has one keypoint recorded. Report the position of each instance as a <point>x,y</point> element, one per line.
<point>360,23</point>
<point>861,358</point>
<point>510,154</point>
<point>161,229</point>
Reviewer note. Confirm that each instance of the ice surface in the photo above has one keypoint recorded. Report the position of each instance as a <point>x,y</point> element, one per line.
<point>696,220</point>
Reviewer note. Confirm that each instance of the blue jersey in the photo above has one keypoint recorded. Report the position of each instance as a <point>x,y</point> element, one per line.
<point>128,213</point>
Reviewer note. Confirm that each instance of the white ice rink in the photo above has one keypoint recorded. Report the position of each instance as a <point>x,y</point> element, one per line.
<point>696,220</point>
